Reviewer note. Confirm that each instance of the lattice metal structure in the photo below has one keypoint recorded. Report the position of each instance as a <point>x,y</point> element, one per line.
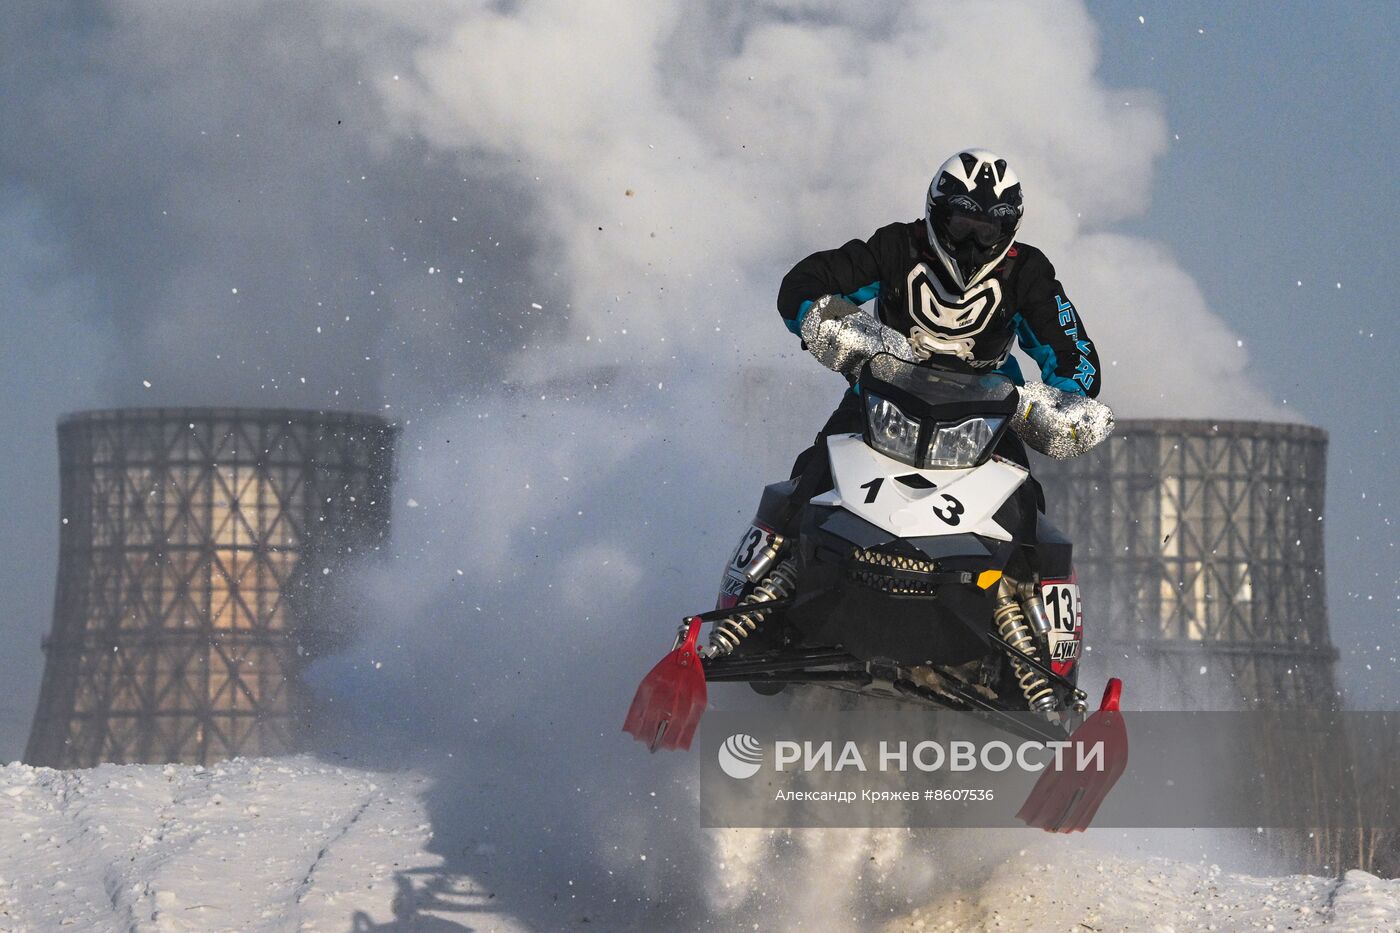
<point>1199,549</point>
<point>199,565</point>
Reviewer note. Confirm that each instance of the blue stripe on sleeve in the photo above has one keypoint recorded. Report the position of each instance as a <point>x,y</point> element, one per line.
<point>1044,355</point>
<point>861,295</point>
<point>795,325</point>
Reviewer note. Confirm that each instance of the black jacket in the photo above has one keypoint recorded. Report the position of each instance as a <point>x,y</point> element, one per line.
<point>1020,299</point>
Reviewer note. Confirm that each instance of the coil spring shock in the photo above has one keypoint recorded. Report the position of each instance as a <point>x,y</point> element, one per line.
<point>1011,625</point>
<point>778,584</point>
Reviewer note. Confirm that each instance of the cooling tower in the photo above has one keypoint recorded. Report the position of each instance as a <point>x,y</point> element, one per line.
<point>1199,550</point>
<point>199,571</point>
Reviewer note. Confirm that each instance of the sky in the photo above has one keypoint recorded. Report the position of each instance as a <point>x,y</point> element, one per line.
<point>546,237</point>
<point>1275,195</point>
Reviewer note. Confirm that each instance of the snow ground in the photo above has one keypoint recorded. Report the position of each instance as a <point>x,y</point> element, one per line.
<point>301,844</point>
<point>1157,896</point>
<point>247,845</point>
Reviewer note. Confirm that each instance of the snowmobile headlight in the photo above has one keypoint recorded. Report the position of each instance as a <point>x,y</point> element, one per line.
<point>962,444</point>
<point>892,432</point>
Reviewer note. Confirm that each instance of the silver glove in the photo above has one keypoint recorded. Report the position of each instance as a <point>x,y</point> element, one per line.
<point>1059,424</point>
<point>842,338</point>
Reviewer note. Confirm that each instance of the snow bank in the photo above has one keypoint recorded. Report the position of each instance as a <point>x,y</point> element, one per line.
<point>1156,895</point>
<point>300,844</point>
<point>250,844</point>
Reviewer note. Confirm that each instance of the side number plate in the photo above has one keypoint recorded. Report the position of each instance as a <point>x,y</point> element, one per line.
<point>746,557</point>
<point>749,561</point>
<point>1066,621</point>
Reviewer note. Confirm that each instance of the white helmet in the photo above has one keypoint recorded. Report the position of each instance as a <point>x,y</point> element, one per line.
<point>972,213</point>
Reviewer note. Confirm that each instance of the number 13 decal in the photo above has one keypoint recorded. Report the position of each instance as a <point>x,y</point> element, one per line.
<point>1062,602</point>
<point>748,548</point>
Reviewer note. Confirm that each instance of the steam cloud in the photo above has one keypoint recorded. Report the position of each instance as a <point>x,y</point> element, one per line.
<point>266,205</point>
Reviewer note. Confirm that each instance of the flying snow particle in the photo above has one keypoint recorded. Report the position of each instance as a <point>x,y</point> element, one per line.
<point>1142,20</point>
<point>537,306</point>
<point>233,291</point>
<point>413,503</point>
<point>146,383</point>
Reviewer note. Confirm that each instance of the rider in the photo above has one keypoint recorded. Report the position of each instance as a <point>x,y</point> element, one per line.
<point>957,284</point>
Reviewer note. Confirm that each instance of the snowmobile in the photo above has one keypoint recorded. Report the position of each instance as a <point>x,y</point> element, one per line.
<point>927,574</point>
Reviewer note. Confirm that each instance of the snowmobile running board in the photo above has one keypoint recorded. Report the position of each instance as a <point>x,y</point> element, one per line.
<point>731,668</point>
<point>1014,721</point>
<point>790,669</point>
<point>1006,647</point>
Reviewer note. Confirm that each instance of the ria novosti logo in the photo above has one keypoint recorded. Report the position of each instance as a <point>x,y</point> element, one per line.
<point>740,756</point>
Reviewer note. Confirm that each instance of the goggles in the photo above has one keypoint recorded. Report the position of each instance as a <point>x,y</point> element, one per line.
<point>985,232</point>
